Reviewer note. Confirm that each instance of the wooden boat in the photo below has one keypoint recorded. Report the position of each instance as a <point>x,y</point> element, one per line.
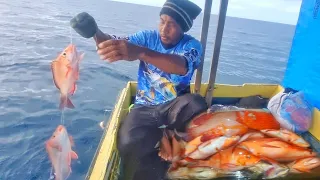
<point>106,163</point>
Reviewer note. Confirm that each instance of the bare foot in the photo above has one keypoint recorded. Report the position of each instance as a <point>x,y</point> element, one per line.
<point>165,148</point>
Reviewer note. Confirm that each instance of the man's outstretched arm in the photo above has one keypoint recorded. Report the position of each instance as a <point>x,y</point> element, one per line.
<point>170,63</point>
<point>114,50</point>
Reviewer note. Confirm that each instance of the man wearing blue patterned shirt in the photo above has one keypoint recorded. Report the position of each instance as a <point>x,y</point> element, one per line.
<point>168,58</point>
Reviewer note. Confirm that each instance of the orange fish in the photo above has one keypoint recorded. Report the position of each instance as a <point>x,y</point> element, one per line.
<point>275,148</point>
<point>212,146</point>
<point>214,125</point>
<point>192,145</point>
<point>65,71</point>
<point>60,153</point>
<point>304,165</point>
<point>231,159</point>
<point>287,136</point>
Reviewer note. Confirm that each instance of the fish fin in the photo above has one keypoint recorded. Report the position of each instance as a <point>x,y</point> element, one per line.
<point>74,88</point>
<point>74,155</point>
<point>52,144</point>
<point>71,140</point>
<point>207,137</point>
<point>81,56</point>
<point>69,104</point>
<point>69,70</point>
<point>65,102</point>
<point>58,147</point>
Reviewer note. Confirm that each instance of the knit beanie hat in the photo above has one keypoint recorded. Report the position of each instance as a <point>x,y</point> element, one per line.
<point>182,11</point>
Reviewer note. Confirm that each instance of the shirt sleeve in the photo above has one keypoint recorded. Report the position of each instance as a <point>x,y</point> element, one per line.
<point>192,52</point>
<point>140,38</point>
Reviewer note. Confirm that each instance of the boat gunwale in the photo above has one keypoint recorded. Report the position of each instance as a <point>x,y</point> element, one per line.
<point>113,115</point>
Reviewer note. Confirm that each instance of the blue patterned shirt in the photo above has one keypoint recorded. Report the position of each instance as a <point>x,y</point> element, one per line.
<point>156,86</point>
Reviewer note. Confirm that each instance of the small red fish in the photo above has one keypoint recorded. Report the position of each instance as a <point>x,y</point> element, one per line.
<point>213,146</point>
<point>230,159</point>
<point>65,71</point>
<point>60,153</point>
<point>287,136</point>
<point>304,165</point>
<point>275,148</point>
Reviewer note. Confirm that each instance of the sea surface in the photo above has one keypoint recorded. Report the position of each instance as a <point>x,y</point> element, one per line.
<point>34,32</point>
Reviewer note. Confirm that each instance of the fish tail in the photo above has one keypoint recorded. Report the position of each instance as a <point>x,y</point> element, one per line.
<point>65,102</point>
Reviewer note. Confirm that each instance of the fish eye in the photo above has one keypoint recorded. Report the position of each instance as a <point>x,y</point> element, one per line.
<point>64,54</point>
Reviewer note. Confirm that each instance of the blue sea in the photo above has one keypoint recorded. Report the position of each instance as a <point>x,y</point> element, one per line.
<point>33,33</point>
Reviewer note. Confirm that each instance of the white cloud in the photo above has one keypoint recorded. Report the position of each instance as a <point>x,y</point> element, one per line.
<point>283,11</point>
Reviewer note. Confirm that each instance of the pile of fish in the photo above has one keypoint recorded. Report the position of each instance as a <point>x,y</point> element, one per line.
<point>249,142</point>
<point>65,71</point>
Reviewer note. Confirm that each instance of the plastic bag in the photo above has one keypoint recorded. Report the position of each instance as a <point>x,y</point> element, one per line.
<point>221,108</point>
<point>292,111</point>
<point>297,111</point>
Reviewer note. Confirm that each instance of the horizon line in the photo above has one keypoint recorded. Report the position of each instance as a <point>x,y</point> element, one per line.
<point>120,1</point>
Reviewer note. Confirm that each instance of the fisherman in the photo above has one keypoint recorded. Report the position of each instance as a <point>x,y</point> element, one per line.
<point>168,58</point>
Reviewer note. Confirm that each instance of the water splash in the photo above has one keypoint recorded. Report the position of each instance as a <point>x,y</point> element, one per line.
<point>105,124</point>
<point>51,177</point>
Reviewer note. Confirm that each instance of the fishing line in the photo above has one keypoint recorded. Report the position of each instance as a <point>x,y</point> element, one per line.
<point>70,35</point>
<point>62,117</point>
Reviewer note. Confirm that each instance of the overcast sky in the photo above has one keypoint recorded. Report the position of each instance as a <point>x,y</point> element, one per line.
<point>283,11</point>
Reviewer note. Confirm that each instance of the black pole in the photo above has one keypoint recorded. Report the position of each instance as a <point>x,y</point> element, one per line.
<point>203,36</point>
<point>216,51</point>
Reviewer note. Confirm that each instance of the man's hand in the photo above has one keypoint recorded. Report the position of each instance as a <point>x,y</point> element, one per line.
<point>114,50</point>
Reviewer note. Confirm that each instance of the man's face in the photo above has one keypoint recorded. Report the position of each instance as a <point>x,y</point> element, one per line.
<point>169,29</point>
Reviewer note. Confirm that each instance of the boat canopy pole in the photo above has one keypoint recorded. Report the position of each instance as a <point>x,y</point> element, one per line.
<point>216,51</point>
<point>203,36</point>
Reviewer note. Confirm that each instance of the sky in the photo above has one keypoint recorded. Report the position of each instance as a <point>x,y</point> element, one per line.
<point>281,11</point>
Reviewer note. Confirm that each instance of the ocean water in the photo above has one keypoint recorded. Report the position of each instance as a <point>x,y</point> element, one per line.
<point>33,33</point>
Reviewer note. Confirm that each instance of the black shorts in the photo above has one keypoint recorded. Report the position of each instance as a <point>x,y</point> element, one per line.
<point>141,130</point>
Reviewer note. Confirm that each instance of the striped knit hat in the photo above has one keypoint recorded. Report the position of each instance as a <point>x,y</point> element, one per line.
<point>183,11</point>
